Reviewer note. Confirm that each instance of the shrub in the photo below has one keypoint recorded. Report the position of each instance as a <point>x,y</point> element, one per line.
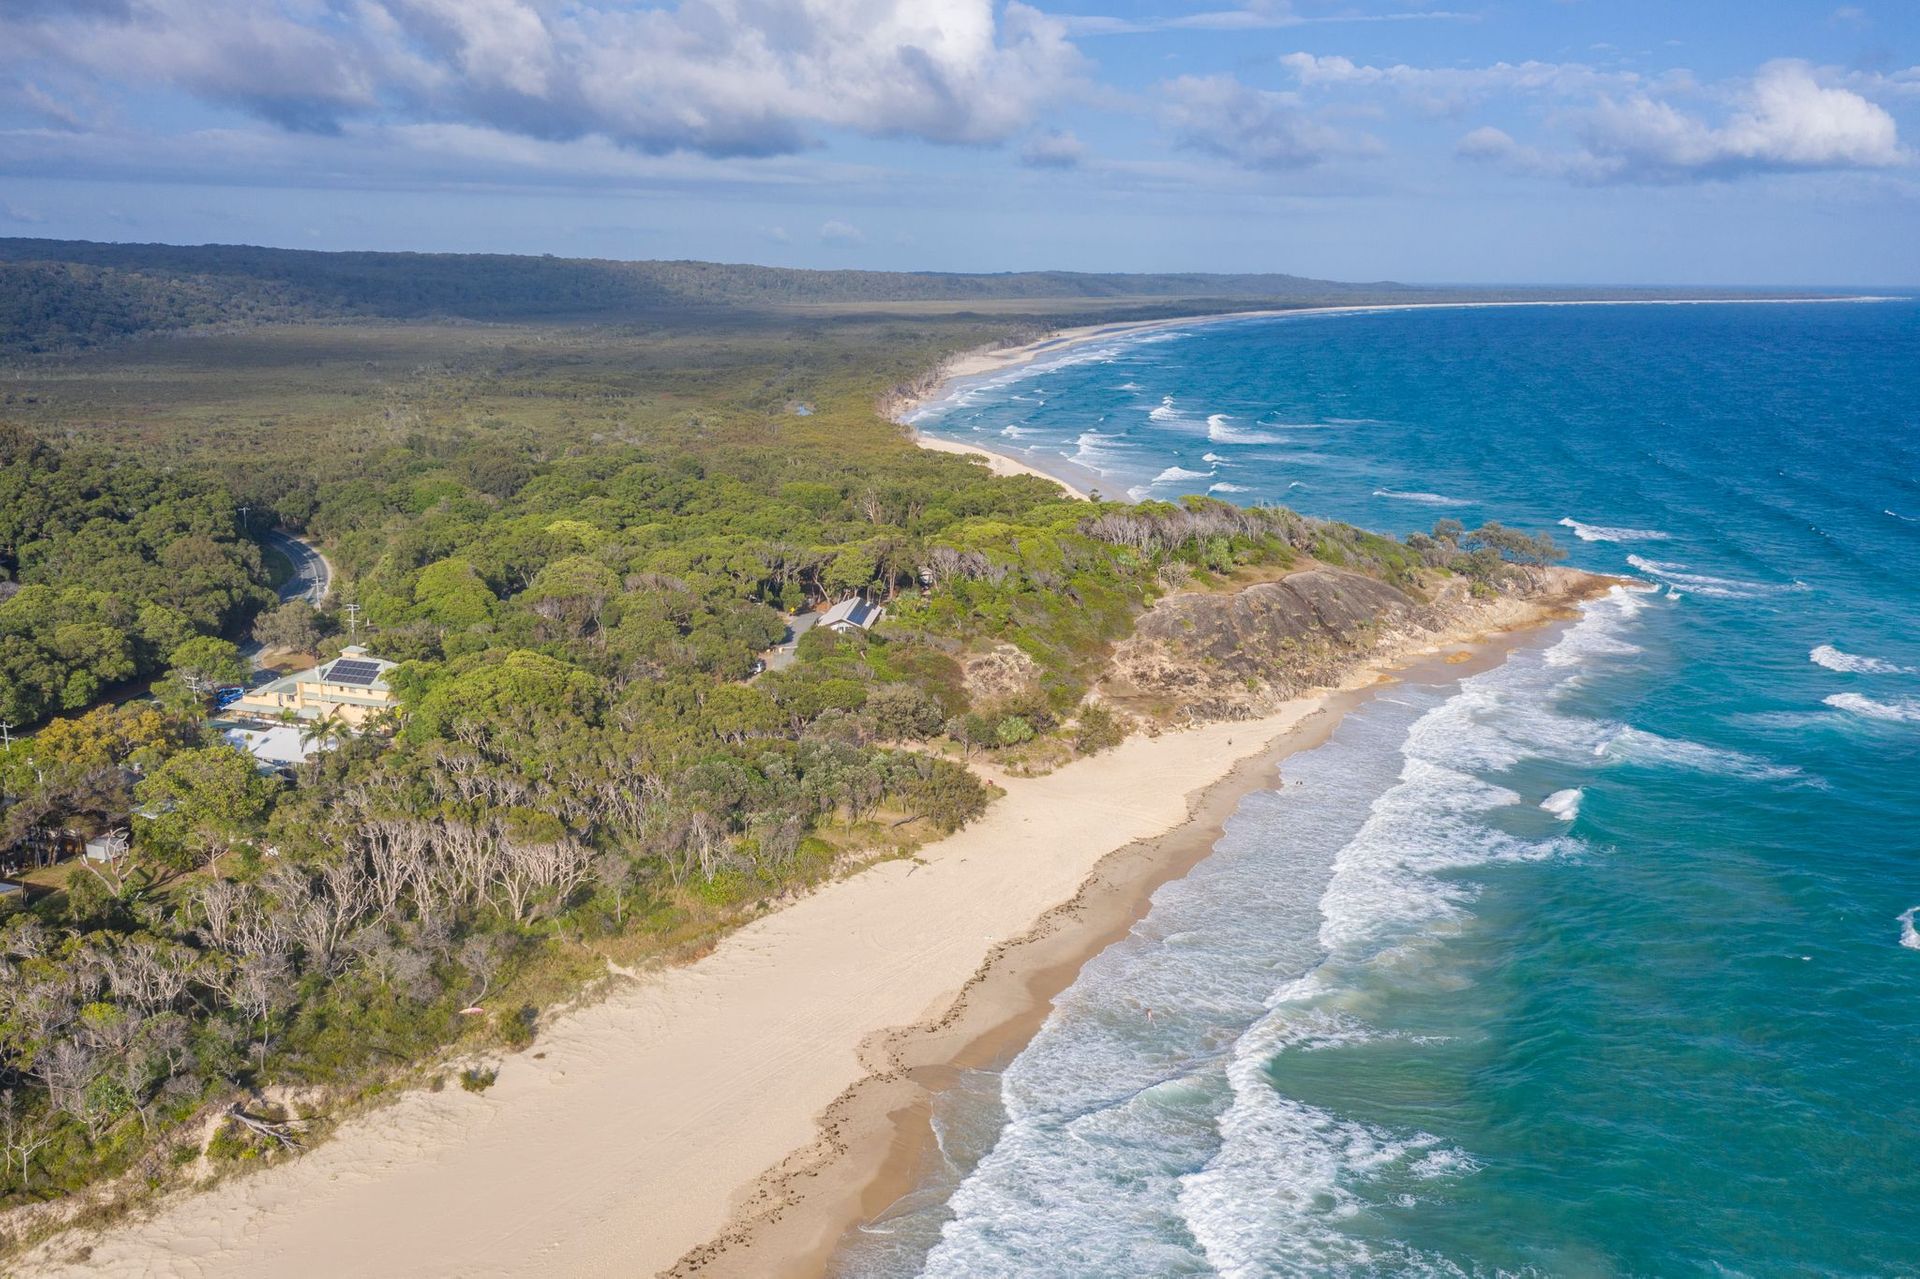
<point>1097,729</point>
<point>517,1031</point>
<point>1012,731</point>
<point>479,1078</point>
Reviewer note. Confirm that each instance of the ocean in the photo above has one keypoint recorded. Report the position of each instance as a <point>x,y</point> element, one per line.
<point>1600,962</point>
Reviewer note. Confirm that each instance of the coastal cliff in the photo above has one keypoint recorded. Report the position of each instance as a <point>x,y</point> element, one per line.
<point>1210,655</point>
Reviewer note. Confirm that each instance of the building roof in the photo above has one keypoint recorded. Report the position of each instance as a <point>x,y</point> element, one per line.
<point>355,677</point>
<point>853,611</point>
<point>355,668</point>
<point>275,747</point>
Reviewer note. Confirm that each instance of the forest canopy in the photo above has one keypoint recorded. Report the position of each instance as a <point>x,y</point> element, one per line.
<point>106,568</point>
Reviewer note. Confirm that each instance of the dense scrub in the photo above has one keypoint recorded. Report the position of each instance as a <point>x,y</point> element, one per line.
<point>575,543</point>
<point>106,568</point>
<point>62,293</point>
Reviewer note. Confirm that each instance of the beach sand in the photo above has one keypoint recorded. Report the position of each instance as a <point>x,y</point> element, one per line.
<point>624,1144</point>
<point>998,463</point>
<point>723,1101</point>
<point>741,1111</point>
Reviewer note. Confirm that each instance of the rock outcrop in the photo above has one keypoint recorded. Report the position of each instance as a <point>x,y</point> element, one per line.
<point>1209,655</point>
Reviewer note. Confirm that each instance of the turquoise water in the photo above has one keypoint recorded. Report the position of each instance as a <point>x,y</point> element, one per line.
<point>1591,964</point>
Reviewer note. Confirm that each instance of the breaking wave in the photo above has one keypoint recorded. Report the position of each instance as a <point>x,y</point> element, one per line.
<point>1853,664</point>
<point>1427,499</point>
<point>1564,804</point>
<point>1680,577</point>
<point>1909,935</point>
<point>1637,746</point>
<point>1610,533</point>
<point>1903,710</point>
<point>1098,450</point>
<point>1221,431</point>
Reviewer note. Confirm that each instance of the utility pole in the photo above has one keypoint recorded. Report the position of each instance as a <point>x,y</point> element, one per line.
<point>6,729</point>
<point>353,621</point>
<point>244,511</point>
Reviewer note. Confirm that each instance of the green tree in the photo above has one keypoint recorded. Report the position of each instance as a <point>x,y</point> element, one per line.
<point>451,592</point>
<point>295,625</point>
<point>206,661</point>
<point>200,803</point>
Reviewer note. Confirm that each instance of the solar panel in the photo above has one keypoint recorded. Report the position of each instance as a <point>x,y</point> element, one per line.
<point>353,672</point>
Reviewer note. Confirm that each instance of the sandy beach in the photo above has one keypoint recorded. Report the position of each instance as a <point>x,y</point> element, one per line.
<point>998,463</point>
<point>721,1104</point>
<point>624,1143</point>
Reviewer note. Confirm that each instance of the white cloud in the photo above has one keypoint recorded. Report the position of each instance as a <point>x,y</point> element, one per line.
<point>1783,120</point>
<point>834,231</point>
<point>405,157</point>
<point>1448,90</point>
<point>1488,145</point>
<point>1054,149</point>
<point>725,77</point>
<point>1255,15</point>
<point>1257,128</point>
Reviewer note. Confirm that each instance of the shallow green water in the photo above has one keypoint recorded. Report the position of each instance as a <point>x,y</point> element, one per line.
<point>1410,1021</point>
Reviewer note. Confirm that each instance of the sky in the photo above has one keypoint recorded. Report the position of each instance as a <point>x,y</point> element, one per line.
<point>1486,141</point>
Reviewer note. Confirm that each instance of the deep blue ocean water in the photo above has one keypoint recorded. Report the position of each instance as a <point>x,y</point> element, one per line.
<point>1590,964</point>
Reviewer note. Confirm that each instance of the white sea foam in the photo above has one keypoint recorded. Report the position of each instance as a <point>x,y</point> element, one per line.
<point>1298,1163</point>
<point>1901,710</point>
<point>1098,450</point>
<point>1610,533</point>
<point>1909,935</point>
<point>1564,804</point>
<point>1227,488</point>
<point>1673,575</point>
<point>1425,499</point>
<point>1911,519</point>
<point>1015,432</point>
<point>1164,411</point>
<point>1220,430</point>
<point>1601,629</point>
<point>1853,664</point>
<point>1636,746</point>
<point>1174,474</point>
<point>1215,459</point>
<point>1138,1146</point>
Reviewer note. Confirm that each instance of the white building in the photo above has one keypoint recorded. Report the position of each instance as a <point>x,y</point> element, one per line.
<point>278,746</point>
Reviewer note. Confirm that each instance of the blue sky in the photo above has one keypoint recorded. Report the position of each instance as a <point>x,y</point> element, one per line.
<point>1605,141</point>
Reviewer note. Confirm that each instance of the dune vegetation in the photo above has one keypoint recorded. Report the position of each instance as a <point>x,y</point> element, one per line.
<point>576,540</point>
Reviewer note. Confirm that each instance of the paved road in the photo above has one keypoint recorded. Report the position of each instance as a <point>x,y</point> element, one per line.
<point>312,574</point>
<point>312,579</point>
<point>779,657</point>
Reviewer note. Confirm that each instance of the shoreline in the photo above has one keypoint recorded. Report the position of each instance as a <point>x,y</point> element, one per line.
<point>666,1126</point>
<point>877,1142</point>
<point>1079,481</point>
<point>998,463</point>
